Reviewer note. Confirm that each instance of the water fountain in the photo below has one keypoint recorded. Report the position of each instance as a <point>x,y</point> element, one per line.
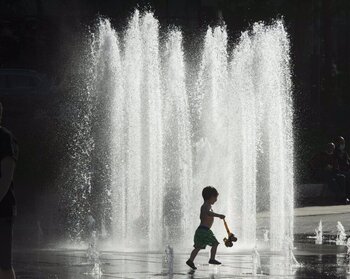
<point>341,235</point>
<point>256,269</point>
<point>169,259</point>
<point>266,235</point>
<point>348,256</point>
<point>319,234</point>
<point>290,260</point>
<point>93,254</point>
<point>169,132</point>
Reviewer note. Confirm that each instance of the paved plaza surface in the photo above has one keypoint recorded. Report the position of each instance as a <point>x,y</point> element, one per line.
<point>316,261</point>
<point>306,219</point>
<point>74,264</point>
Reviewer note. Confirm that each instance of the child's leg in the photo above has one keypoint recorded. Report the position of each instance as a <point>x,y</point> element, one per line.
<point>194,254</point>
<point>213,251</point>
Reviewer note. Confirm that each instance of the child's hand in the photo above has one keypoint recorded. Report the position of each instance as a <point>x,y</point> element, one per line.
<point>222,216</point>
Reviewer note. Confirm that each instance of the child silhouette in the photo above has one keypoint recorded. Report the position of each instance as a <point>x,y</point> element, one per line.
<point>203,235</point>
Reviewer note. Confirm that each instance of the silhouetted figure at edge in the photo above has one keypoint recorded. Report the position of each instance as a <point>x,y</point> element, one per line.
<point>8,158</point>
<point>343,160</point>
<point>325,168</point>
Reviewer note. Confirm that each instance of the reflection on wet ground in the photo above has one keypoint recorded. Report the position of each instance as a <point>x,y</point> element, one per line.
<point>66,264</point>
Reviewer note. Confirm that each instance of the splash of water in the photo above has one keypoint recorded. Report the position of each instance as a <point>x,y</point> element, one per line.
<point>341,235</point>
<point>256,262</point>
<point>266,235</point>
<point>319,234</point>
<point>166,142</point>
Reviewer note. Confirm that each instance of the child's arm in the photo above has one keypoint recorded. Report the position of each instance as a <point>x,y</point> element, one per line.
<point>211,213</point>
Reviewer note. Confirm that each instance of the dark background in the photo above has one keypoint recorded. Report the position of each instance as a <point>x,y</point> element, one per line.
<point>42,35</point>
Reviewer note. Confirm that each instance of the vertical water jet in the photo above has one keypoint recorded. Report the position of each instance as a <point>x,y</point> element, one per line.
<point>242,119</point>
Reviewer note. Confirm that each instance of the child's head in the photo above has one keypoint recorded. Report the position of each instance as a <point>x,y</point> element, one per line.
<point>210,194</point>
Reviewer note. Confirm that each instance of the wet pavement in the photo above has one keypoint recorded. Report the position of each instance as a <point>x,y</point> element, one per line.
<point>315,261</point>
<point>306,219</point>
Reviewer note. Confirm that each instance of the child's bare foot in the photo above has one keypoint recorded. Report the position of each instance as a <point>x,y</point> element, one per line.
<point>214,262</point>
<point>191,264</point>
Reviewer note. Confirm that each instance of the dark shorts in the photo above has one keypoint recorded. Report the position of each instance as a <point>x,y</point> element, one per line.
<point>203,237</point>
<point>6,225</point>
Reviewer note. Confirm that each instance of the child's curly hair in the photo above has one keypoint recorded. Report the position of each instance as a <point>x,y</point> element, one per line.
<point>209,192</point>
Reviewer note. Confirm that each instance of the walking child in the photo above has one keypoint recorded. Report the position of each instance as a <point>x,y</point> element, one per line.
<point>203,235</point>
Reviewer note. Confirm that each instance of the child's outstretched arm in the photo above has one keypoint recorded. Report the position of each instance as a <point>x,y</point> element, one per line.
<point>211,213</point>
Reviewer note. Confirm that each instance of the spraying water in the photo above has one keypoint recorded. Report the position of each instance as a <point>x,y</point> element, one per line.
<point>169,259</point>
<point>290,259</point>
<point>341,235</point>
<point>256,268</point>
<point>266,235</point>
<point>165,142</point>
<point>319,234</point>
<point>347,258</point>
